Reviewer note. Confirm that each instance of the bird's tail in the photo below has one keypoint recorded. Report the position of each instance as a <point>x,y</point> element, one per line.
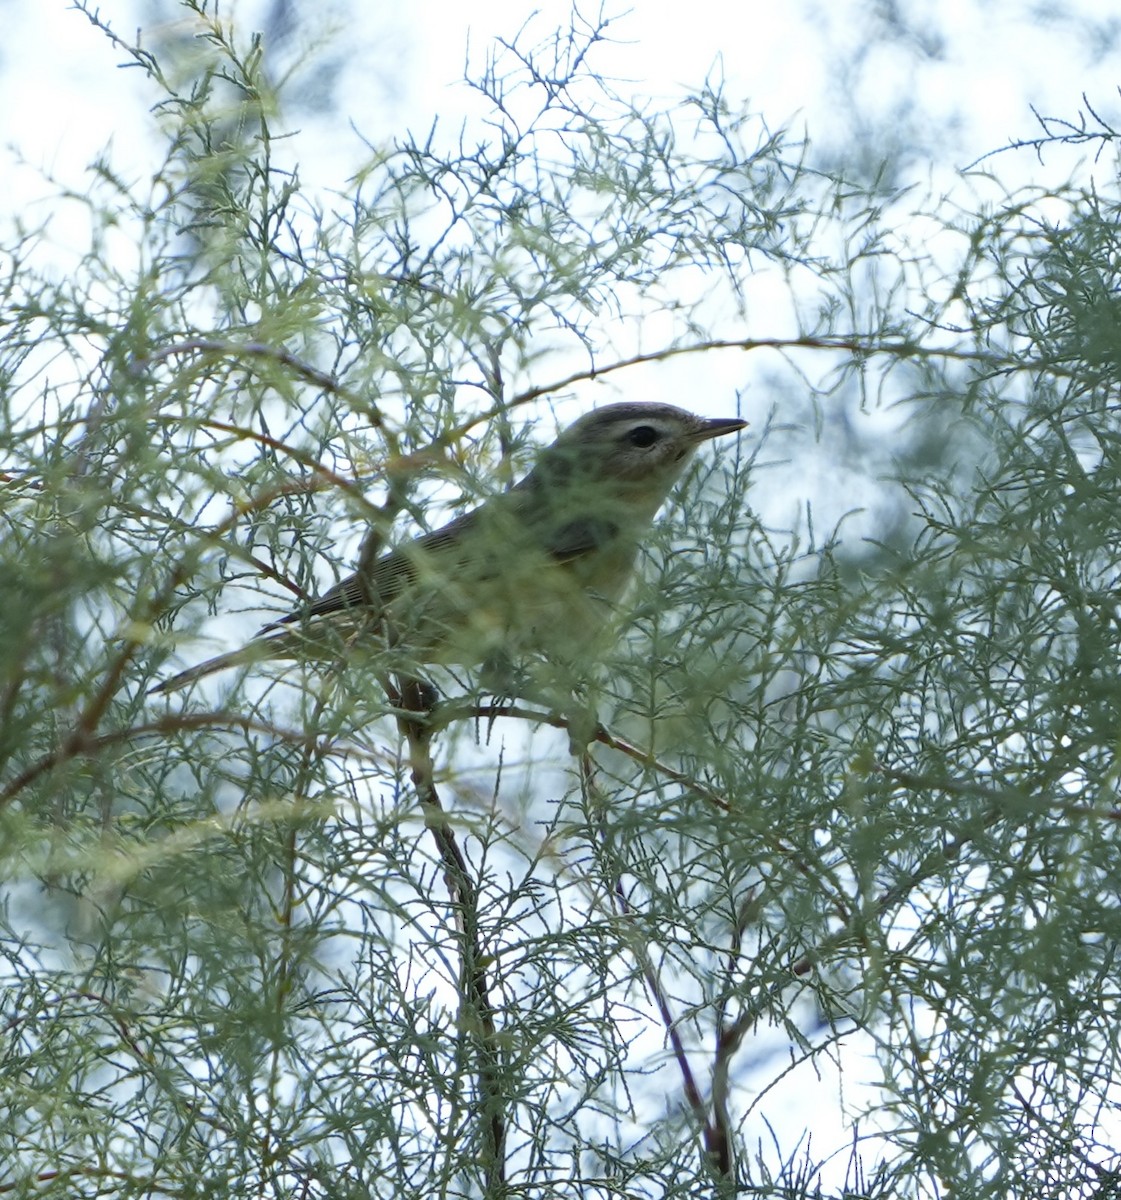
<point>270,647</point>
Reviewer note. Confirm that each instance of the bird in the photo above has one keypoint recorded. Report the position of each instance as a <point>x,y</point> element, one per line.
<point>539,569</point>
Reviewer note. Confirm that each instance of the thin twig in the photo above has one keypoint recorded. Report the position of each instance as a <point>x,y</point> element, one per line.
<point>232,349</point>
<point>717,1145</point>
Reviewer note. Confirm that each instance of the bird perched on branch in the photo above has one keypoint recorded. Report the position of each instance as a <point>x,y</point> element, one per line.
<point>535,570</point>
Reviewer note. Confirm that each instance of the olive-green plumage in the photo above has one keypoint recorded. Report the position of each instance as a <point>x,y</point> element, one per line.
<point>538,569</point>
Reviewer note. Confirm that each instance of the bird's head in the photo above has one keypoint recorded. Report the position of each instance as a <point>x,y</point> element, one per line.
<point>628,454</point>
<point>635,442</point>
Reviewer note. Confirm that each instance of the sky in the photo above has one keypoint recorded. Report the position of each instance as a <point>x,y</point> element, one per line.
<point>961,76</point>
<point>947,81</point>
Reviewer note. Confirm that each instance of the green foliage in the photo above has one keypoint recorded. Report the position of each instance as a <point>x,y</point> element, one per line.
<point>854,800</point>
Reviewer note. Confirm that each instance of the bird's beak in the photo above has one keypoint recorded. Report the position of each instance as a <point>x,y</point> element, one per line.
<point>716,427</point>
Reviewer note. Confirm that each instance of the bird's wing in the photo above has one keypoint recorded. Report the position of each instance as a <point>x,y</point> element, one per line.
<point>451,549</point>
<point>580,536</point>
<point>388,577</point>
<point>274,646</point>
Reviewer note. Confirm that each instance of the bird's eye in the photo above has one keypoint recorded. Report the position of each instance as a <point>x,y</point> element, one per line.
<point>642,436</point>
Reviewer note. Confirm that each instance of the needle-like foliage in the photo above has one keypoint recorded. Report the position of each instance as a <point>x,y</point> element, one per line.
<point>828,906</point>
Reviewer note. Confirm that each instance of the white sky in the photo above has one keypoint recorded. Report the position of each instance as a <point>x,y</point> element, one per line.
<point>964,84</point>
<point>970,73</point>
<point>959,82</point>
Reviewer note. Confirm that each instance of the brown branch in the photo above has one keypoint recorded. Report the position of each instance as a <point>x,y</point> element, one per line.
<point>447,713</point>
<point>171,723</point>
<point>415,701</point>
<point>90,1173</point>
<point>850,344</point>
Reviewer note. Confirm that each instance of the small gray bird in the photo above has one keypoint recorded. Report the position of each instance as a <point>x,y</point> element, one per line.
<point>538,569</point>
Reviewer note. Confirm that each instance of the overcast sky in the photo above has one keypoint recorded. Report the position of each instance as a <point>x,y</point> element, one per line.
<point>959,76</point>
